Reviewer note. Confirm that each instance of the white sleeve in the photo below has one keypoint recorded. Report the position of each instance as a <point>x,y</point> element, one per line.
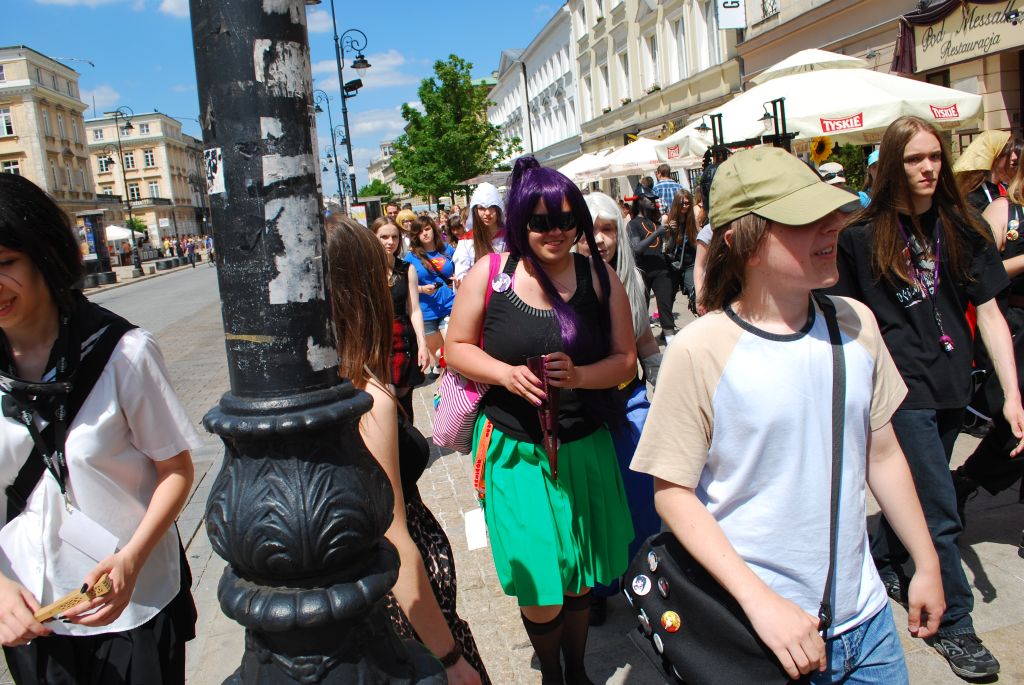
<point>159,424</point>
<point>704,235</point>
<point>463,257</point>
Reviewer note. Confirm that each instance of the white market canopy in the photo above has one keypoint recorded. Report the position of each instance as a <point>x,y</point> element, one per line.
<point>810,60</point>
<point>638,157</point>
<point>584,168</point>
<point>118,233</point>
<point>850,105</point>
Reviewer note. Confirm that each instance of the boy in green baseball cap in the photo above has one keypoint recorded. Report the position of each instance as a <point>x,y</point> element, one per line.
<point>739,436</point>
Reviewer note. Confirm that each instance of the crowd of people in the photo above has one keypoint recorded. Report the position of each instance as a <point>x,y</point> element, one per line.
<point>910,289</point>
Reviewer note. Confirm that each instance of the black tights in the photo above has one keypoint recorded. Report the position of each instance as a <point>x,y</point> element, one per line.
<point>566,636</point>
<point>405,402</point>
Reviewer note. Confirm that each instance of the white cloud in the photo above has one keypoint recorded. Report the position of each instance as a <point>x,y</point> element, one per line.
<point>183,88</point>
<point>385,71</point>
<point>76,3</point>
<point>175,8</point>
<point>384,122</point>
<point>542,9</point>
<point>105,97</point>
<point>318,21</point>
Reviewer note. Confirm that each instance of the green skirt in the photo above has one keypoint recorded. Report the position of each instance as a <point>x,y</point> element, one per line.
<point>549,537</point>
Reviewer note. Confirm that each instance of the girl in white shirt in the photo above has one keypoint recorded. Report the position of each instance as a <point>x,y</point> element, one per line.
<point>116,454</point>
<point>486,230</point>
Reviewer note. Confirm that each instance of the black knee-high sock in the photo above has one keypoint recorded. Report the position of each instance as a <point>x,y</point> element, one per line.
<point>574,638</point>
<point>546,639</point>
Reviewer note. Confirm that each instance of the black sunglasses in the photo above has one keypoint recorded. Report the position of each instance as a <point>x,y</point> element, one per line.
<point>542,223</point>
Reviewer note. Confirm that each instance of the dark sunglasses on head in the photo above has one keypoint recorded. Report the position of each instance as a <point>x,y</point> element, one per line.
<point>542,223</point>
<point>832,175</point>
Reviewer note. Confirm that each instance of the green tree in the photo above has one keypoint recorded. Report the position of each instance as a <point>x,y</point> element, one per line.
<point>451,139</point>
<point>377,187</point>
<point>135,224</point>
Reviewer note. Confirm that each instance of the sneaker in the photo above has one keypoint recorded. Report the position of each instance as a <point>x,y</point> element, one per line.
<point>966,488</point>
<point>968,658</point>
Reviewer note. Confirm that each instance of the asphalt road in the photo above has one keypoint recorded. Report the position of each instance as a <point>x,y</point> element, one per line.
<point>156,303</point>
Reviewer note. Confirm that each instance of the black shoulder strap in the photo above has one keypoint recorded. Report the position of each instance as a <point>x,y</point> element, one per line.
<point>828,309</point>
<point>93,362</point>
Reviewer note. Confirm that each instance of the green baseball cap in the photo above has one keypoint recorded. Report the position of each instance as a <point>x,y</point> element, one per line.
<point>772,183</point>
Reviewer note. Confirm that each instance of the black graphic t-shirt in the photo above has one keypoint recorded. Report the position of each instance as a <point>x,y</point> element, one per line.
<point>935,378</point>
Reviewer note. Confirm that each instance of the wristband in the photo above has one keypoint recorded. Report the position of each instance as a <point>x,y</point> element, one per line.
<point>452,657</point>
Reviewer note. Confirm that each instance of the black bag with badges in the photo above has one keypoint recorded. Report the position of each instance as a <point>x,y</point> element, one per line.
<point>694,624</point>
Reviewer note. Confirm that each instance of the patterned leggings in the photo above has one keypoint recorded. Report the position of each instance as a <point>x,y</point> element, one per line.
<point>436,551</point>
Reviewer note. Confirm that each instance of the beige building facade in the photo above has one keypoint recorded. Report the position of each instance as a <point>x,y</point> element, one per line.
<point>155,167</point>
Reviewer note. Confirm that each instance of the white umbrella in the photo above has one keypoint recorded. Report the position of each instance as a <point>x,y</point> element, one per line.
<point>684,148</point>
<point>118,233</point>
<point>848,105</point>
<point>584,167</point>
<point>636,158</point>
<point>810,60</point>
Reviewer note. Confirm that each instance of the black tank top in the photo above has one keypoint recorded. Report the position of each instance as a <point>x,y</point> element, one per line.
<point>400,288</point>
<point>513,331</point>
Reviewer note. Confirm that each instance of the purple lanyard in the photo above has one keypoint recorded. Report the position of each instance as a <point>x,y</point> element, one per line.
<point>919,278</point>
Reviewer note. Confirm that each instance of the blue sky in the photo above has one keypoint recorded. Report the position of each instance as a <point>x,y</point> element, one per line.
<point>142,51</point>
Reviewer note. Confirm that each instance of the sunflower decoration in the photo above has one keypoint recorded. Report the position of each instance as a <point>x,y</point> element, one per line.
<point>821,149</point>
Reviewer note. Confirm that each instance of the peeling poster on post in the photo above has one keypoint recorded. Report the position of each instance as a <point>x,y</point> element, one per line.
<point>214,159</point>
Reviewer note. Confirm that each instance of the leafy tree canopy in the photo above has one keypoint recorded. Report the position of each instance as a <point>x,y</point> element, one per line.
<point>450,139</point>
<point>377,187</point>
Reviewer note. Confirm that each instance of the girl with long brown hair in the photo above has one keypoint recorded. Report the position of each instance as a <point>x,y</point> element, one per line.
<point>431,257</point>
<point>421,605</point>
<point>409,356</point>
<point>486,233</point>
<point>918,257</point>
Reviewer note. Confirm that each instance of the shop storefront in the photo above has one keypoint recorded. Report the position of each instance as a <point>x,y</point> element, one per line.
<point>972,46</point>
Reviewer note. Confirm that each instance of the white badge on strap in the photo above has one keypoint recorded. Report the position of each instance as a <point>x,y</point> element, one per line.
<point>87,536</point>
<point>476,529</point>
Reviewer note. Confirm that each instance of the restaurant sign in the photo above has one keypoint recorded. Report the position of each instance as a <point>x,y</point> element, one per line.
<point>973,31</point>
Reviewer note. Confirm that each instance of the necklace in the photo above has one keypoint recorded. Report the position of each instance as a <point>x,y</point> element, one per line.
<point>920,275</point>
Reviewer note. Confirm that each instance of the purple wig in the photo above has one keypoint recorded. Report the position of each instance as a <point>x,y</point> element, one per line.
<point>531,183</point>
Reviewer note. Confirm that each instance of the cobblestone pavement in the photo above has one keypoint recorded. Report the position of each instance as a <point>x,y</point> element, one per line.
<point>194,351</point>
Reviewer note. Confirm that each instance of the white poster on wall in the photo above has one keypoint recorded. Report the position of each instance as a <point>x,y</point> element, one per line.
<point>732,14</point>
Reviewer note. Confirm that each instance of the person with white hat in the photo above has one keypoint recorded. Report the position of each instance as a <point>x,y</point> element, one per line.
<point>739,445</point>
<point>832,173</point>
<point>486,232</point>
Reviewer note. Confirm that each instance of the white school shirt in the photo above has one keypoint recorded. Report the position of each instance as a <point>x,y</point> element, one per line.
<point>131,418</point>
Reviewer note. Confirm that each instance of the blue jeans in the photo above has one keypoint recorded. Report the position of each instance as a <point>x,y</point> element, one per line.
<point>927,437</point>
<point>868,654</point>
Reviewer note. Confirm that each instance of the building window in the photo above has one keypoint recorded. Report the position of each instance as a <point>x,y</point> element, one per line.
<point>588,89</point>
<point>143,129</point>
<point>769,7</point>
<point>74,131</point>
<point>606,94</point>
<point>68,83</point>
<point>6,122</point>
<point>154,189</point>
<point>53,80</point>
<point>12,167</point>
<point>53,173</point>
<point>104,164</point>
<point>129,160</point>
<point>133,192</point>
<point>46,122</point>
<point>39,76</point>
<point>681,62</point>
<point>97,134</point>
<point>148,158</point>
<point>67,177</point>
<point>81,177</point>
<point>623,62</point>
<point>3,76</point>
<point>107,190</point>
<point>651,59</point>
<point>60,126</point>
<point>711,18</point>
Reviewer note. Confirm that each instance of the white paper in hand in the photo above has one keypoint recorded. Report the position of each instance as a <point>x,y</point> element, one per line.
<point>87,536</point>
<point>476,529</point>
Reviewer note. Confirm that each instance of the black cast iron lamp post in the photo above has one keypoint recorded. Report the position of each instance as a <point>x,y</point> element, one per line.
<point>322,97</point>
<point>126,113</point>
<point>300,507</point>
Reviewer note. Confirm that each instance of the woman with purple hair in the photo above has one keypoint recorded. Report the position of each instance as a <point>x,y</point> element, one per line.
<point>555,506</point>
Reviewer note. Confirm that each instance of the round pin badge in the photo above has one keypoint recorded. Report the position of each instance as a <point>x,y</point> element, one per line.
<point>659,646</point>
<point>501,283</point>
<point>645,623</point>
<point>652,561</point>
<point>670,621</point>
<point>641,585</point>
<point>663,587</point>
